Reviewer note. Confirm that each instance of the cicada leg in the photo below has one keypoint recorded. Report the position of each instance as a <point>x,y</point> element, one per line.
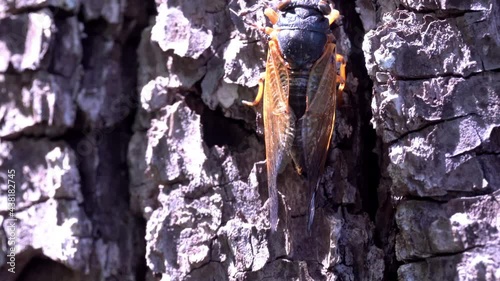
<point>272,33</point>
<point>271,15</point>
<point>260,93</point>
<point>333,16</point>
<point>342,75</point>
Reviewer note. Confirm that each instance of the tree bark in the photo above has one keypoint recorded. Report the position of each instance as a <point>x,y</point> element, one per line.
<point>135,159</point>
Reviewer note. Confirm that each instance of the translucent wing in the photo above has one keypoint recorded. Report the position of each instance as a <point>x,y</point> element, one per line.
<point>278,123</point>
<point>318,120</point>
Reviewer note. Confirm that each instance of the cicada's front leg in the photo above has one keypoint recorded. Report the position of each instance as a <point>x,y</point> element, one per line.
<point>273,17</point>
<point>333,16</point>
<point>260,93</point>
<point>341,77</point>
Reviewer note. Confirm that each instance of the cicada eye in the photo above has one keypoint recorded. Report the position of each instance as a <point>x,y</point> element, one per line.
<point>283,5</point>
<point>324,7</point>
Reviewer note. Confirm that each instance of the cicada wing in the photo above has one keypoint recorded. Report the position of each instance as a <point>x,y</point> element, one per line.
<point>318,120</point>
<point>278,123</point>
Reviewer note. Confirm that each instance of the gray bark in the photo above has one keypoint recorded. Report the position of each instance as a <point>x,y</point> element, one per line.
<point>435,109</point>
<point>135,159</point>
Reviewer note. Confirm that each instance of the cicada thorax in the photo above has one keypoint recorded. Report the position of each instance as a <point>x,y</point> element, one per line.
<point>302,35</point>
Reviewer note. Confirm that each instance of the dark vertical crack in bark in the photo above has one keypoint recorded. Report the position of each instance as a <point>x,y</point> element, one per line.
<point>368,171</point>
<point>107,206</point>
<point>368,174</point>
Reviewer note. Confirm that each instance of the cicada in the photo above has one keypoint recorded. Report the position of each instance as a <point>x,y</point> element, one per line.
<point>300,88</point>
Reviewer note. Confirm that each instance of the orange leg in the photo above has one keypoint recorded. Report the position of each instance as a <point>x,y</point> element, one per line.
<point>260,93</point>
<point>271,15</point>
<point>272,33</point>
<point>333,16</point>
<point>342,76</point>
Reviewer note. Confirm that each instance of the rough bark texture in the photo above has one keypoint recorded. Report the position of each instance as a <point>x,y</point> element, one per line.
<point>135,159</point>
<point>67,89</point>
<point>436,104</point>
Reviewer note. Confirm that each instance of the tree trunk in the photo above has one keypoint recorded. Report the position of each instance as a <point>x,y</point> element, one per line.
<point>134,158</point>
